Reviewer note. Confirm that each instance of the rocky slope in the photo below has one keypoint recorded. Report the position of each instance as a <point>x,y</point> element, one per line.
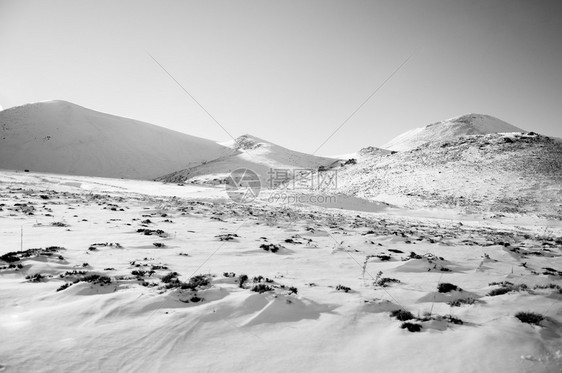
<point>515,172</point>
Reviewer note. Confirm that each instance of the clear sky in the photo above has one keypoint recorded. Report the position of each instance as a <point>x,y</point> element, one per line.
<point>289,71</point>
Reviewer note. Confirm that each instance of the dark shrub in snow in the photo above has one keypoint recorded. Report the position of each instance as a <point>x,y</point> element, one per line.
<point>445,287</point>
<point>530,317</point>
<point>411,327</point>
<point>402,315</point>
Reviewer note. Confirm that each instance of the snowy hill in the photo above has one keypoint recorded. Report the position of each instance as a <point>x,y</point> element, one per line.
<point>509,172</point>
<point>470,124</point>
<point>250,152</point>
<point>61,137</point>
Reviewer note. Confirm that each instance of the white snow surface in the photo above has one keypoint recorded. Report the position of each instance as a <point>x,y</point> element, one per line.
<point>139,321</point>
<point>470,124</point>
<point>61,137</point>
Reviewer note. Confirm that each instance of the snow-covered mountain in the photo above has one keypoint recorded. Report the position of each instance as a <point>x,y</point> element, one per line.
<point>251,152</point>
<point>61,137</point>
<point>470,124</point>
<point>506,172</point>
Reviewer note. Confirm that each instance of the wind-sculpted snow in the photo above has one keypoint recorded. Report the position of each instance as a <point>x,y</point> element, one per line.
<point>258,287</point>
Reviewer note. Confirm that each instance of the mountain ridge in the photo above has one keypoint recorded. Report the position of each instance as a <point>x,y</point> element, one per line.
<point>258,155</point>
<point>62,137</point>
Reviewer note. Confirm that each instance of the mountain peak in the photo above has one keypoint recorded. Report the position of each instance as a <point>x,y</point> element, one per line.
<point>248,142</point>
<point>50,106</point>
<point>481,123</point>
<point>57,103</point>
<point>464,125</point>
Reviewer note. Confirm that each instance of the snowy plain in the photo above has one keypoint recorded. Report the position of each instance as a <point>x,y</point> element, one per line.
<point>156,283</point>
